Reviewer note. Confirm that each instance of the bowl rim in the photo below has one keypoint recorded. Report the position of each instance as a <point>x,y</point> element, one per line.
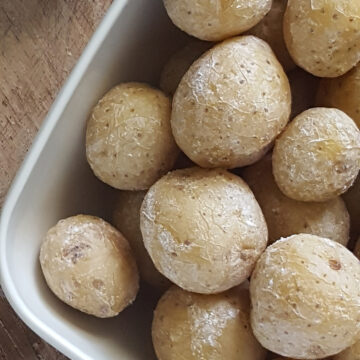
<point>53,117</point>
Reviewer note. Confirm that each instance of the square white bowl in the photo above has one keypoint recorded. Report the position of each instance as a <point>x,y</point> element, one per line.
<point>131,44</point>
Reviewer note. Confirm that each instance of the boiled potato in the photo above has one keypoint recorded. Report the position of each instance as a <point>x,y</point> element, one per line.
<point>129,144</point>
<point>179,63</point>
<point>231,104</point>
<point>88,264</point>
<point>351,353</point>
<point>317,157</point>
<point>303,90</point>
<point>216,20</point>
<point>352,201</point>
<point>126,218</point>
<point>285,216</point>
<point>270,29</point>
<point>342,93</point>
<point>212,327</point>
<point>305,297</point>
<point>203,229</point>
<point>323,37</point>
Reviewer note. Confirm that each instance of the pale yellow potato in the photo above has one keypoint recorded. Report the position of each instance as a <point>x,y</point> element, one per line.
<point>285,216</point>
<point>342,93</point>
<point>179,64</point>
<point>303,90</point>
<point>215,20</point>
<point>126,218</point>
<point>129,144</point>
<point>317,157</point>
<point>352,201</point>
<point>89,265</point>
<point>323,37</point>
<point>270,29</point>
<point>305,297</point>
<point>203,229</point>
<point>231,104</point>
<point>197,327</point>
<point>351,353</point>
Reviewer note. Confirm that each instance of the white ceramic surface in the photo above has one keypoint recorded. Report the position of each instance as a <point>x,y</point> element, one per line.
<point>132,43</point>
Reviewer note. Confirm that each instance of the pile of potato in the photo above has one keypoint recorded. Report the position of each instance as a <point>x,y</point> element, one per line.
<point>231,173</point>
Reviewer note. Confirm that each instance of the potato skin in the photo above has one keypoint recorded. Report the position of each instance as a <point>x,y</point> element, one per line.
<point>203,229</point>
<point>285,216</point>
<point>89,265</point>
<point>342,93</point>
<point>129,144</point>
<point>126,218</point>
<point>351,353</point>
<point>179,64</point>
<point>212,327</point>
<point>270,29</point>
<point>352,201</point>
<point>317,157</point>
<point>231,104</point>
<point>323,37</point>
<point>305,297</point>
<point>216,20</point>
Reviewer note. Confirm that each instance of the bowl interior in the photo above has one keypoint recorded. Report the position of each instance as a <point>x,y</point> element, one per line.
<point>61,184</point>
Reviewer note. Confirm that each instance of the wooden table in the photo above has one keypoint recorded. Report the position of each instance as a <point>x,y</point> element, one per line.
<point>40,42</point>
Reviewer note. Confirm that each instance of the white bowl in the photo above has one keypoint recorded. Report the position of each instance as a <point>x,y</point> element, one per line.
<point>132,43</point>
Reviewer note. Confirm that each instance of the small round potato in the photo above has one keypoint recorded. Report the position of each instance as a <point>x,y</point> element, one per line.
<point>212,327</point>
<point>126,218</point>
<point>203,229</point>
<point>351,353</point>
<point>342,93</point>
<point>179,64</point>
<point>317,157</point>
<point>270,29</point>
<point>129,144</point>
<point>285,216</point>
<point>303,90</point>
<point>231,104</point>
<point>323,37</point>
<point>352,201</point>
<point>88,264</point>
<point>305,297</point>
<point>215,20</point>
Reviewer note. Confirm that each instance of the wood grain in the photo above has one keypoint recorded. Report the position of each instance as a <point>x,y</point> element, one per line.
<point>40,42</point>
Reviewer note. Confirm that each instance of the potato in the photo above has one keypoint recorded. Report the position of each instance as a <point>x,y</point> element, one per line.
<point>305,297</point>
<point>179,63</point>
<point>270,29</point>
<point>212,327</point>
<point>203,229</point>
<point>352,201</point>
<point>351,353</point>
<point>317,157</point>
<point>216,20</point>
<point>129,144</point>
<point>88,264</point>
<point>285,216</point>
<point>303,90</point>
<point>126,218</point>
<point>342,93</point>
<point>231,104</point>
<point>323,37</point>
